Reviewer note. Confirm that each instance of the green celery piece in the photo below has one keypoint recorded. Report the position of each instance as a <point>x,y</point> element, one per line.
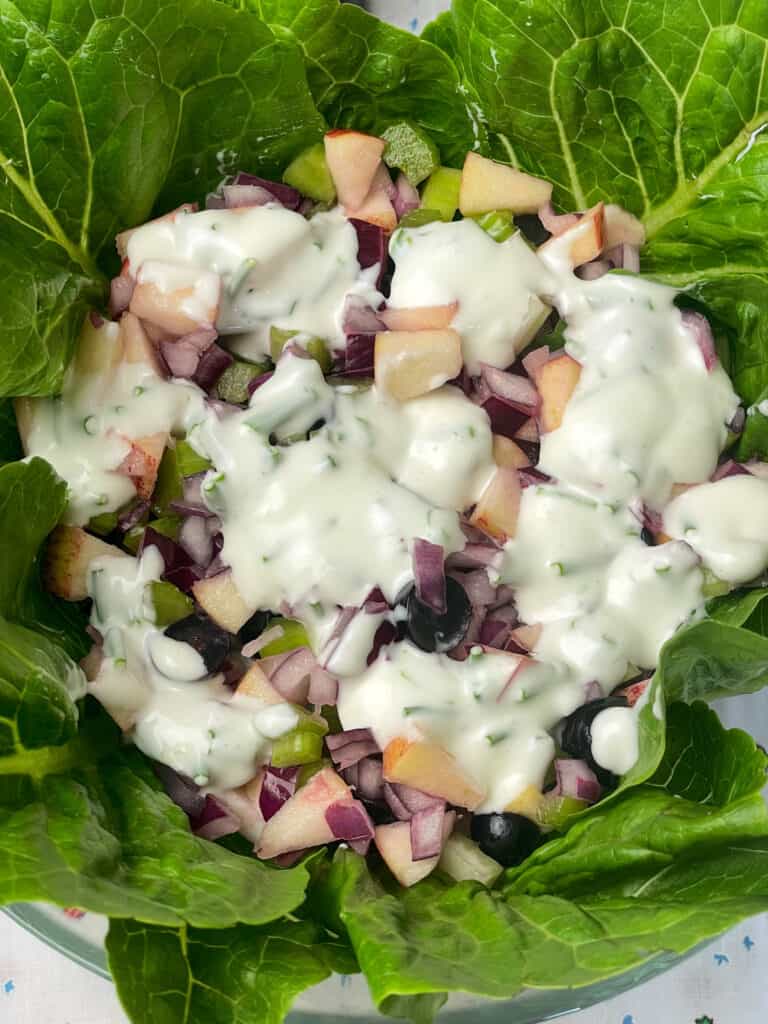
<point>296,747</point>
<point>167,525</point>
<point>411,151</point>
<point>557,812</point>
<point>294,635</point>
<point>169,486</point>
<point>189,462</point>
<point>278,339</point>
<point>441,192</point>
<point>232,386</point>
<point>170,603</point>
<point>309,173</point>
<point>319,352</point>
<point>103,524</point>
<point>499,224</point>
<point>417,218</point>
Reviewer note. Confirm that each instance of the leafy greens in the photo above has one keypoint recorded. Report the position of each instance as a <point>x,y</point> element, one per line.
<point>138,107</point>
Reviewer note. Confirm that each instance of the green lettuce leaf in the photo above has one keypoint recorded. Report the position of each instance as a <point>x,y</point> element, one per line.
<point>366,74</point>
<point>238,975</point>
<point>134,106</point>
<point>713,659</point>
<point>705,762</point>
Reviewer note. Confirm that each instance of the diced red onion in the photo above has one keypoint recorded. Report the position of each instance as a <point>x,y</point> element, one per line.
<point>699,327</point>
<point>215,821</point>
<point>575,778</point>
<point>217,566</point>
<point>557,223</point>
<point>729,468</point>
<point>184,577</point>
<point>625,257</point>
<point>406,197</point>
<point>351,753</point>
<point>265,638</point>
<point>475,556</point>
<point>196,541</point>
<point>757,468</point>
<point>349,820</point>
<point>192,508</point>
<point>181,358</point>
<point>201,339</point>
<point>529,476</point>
<point>350,775</point>
<point>505,596</point>
<point>511,387</point>
<point>593,270</point>
<point>359,318</point>
<point>478,587</point>
<point>291,676</point>
<point>361,846</point>
<point>192,488</point>
<point>278,785</point>
<point>285,194</point>
<point>375,603</point>
<point>172,554</point>
<point>384,635</point>
<point>395,804</point>
<point>213,362</point>
<point>494,633</point>
<point>531,449</point>
<point>133,516</point>
<point>736,426</point>
<point>429,574</point>
<point>182,790</point>
<point>592,691</point>
<point>427,832</point>
<point>358,355</point>
<point>120,293</point>
<point>238,196</point>
<point>534,361</point>
<point>256,382</point>
<point>371,246</point>
<point>414,800</point>
<point>323,687</point>
<point>214,201</point>
<point>287,860</point>
<point>339,739</point>
<point>370,778</point>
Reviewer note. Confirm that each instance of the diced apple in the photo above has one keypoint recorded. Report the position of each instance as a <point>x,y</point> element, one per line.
<point>124,237</point>
<point>255,684</point>
<point>527,803</point>
<point>527,636</point>
<point>219,597</point>
<point>411,363</point>
<point>557,381</point>
<point>137,347</point>
<point>487,185</point>
<point>430,768</point>
<point>99,349</point>
<point>243,803</point>
<point>377,206</point>
<point>508,454</point>
<point>419,318</point>
<point>353,159</point>
<point>67,559</point>
<point>394,844</point>
<point>300,822</point>
<point>142,462</point>
<point>497,508</point>
<point>177,298</point>
<point>619,226</point>
<point>583,242</point>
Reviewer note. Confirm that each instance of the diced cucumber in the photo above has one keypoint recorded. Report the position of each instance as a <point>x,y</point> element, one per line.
<point>104,524</point>
<point>170,603</point>
<point>416,218</point>
<point>232,385</point>
<point>309,173</point>
<point>189,461</point>
<point>167,525</point>
<point>463,860</point>
<point>294,635</point>
<point>441,192</point>
<point>410,150</point>
<point>499,224</point>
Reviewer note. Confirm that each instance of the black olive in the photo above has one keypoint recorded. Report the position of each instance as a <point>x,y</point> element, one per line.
<point>647,537</point>
<point>508,838</point>
<point>531,227</point>
<point>254,627</point>
<point>210,641</point>
<point>576,738</point>
<point>433,632</point>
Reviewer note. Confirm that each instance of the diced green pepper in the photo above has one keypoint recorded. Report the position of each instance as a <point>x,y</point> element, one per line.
<point>169,486</point>
<point>294,635</point>
<point>189,461</point>
<point>232,385</point>
<point>411,151</point>
<point>417,218</point>
<point>170,603</point>
<point>441,192</point>
<point>499,224</point>
<point>167,525</point>
<point>309,173</point>
<point>103,524</point>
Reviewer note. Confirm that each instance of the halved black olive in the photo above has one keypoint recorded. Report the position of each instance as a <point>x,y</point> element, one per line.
<point>254,627</point>
<point>508,838</point>
<point>433,632</point>
<point>210,641</point>
<point>647,537</point>
<point>576,738</point>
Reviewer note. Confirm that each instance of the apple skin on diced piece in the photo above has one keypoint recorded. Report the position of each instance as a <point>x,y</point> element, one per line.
<point>142,462</point>
<point>487,185</point>
<point>394,844</point>
<point>192,303</point>
<point>137,348</point>
<point>428,767</point>
<point>507,454</point>
<point>376,208</point>
<point>527,636</point>
<point>411,363</point>
<point>68,557</point>
<point>300,822</point>
<point>353,159</point>
<point>419,318</point>
<point>584,241</point>
<point>221,600</point>
<point>255,684</point>
<point>556,381</point>
<point>498,507</point>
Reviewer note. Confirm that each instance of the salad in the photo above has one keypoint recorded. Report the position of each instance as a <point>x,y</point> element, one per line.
<point>376,533</point>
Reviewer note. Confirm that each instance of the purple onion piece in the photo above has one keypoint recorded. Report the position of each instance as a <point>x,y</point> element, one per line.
<point>530,476</point>
<point>359,318</point>
<point>292,676</point>
<point>237,197</point>
<point>736,426</point>
<point>133,516</point>
<point>184,577</point>
<point>181,358</point>
<point>395,804</point>
<point>340,739</point>
<point>370,778</point>
<point>323,687</point>
<point>429,574</point>
<point>346,756</point>
<point>414,799</point>
<point>576,779</point>
<point>427,831</point>
<point>371,246</point>
<point>406,197</point>
<point>360,846</point>
<point>506,418</point>
<point>594,270</point>
<point>385,635</point>
<point>349,820</point>
<point>289,197</point>
<point>181,789</point>
<point>699,327</point>
<point>358,355</point>
<point>278,785</point>
<point>120,294</point>
<point>213,362</point>
<point>256,382</point>
<point>192,508</point>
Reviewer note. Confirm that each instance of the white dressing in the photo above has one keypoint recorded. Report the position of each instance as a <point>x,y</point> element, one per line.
<point>615,740</point>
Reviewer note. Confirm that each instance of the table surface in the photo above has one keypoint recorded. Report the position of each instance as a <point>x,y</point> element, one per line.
<point>724,984</point>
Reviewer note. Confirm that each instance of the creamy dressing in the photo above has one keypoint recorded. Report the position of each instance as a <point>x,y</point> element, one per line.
<point>276,267</point>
